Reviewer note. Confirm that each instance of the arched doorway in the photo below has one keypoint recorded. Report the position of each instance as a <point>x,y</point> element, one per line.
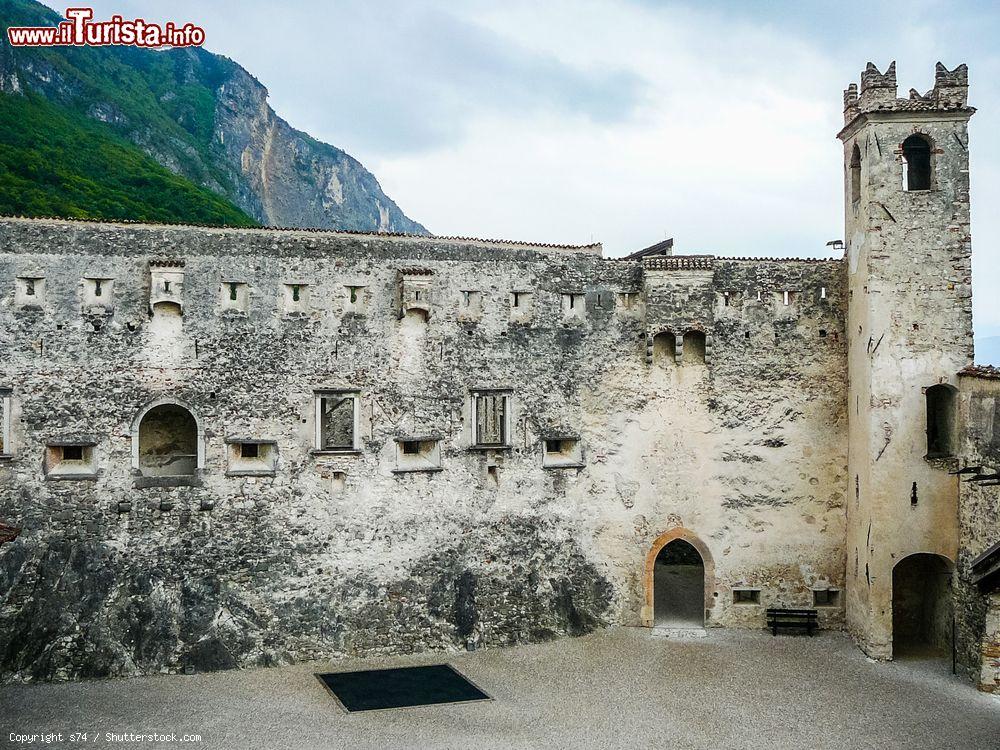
<point>922,606</point>
<point>679,586</point>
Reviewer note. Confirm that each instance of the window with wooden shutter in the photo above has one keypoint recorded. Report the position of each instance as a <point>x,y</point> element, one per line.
<point>491,418</point>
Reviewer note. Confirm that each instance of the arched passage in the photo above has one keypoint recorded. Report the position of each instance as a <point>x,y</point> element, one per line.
<point>678,580</point>
<point>922,605</point>
<point>166,441</point>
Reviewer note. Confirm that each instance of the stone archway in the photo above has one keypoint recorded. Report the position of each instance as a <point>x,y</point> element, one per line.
<point>648,614</point>
<point>922,605</point>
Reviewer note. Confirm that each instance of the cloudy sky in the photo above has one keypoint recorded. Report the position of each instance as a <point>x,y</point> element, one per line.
<point>623,121</point>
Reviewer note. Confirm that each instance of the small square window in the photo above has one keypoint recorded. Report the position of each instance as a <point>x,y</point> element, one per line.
<point>746,596</point>
<point>234,295</point>
<point>826,598</point>
<point>356,299</point>
<point>30,291</point>
<point>98,292</point>
<point>521,306</point>
<point>250,458</point>
<point>562,452</point>
<point>70,461</point>
<point>295,298</point>
<point>573,305</point>
<point>418,454</point>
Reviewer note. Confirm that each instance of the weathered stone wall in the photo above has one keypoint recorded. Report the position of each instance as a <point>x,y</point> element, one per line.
<point>342,554</point>
<point>909,258</point>
<point>977,613</point>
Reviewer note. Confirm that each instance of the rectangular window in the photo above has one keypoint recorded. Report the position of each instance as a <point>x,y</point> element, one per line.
<point>295,298</point>
<point>29,291</point>
<point>6,448</point>
<point>356,299</point>
<point>98,292</point>
<point>70,461</point>
<point>746,596</point>
<point>573,305</point>
<point>337,415</point>
<point>252,458</point>
<point>826,598</point>
<point>418,454</point>
<point>490,417</point>
<point>234,295</point>
<point>562,452</point>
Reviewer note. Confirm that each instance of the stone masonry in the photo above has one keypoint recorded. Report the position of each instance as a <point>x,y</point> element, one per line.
<point>235,447</point>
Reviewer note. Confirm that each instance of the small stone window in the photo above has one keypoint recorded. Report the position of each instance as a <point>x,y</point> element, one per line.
<point>295,297</point>
<point>337,417</point>
<point>70,460</point>
<point>356,299</point>
<point>855,174</point>
<point>234,295</point>
<point>98,292</point>
<point>470,304</point>
<point>826,598</point>
<point>562,451</point>
<point>166,288</point>
<point>573,305</point>
<point>940,400</point>
<point>418,454</point>
<point>521,305</point>
<point>916,163</point>
<point>252,458</point>
<point>491,418</point>
<point>628,301</point>
<point>694,347</point>
<point>30,291</point>
<point>6,446</point>
<point>746,596</point>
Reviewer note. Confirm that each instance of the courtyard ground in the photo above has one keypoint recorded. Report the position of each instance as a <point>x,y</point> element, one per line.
<point>619,688</point>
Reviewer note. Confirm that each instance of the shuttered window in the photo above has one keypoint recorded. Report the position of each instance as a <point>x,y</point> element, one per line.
<point>491,418</point>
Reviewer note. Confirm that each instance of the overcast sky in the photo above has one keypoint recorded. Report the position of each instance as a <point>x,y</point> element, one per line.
<point>622,121</point>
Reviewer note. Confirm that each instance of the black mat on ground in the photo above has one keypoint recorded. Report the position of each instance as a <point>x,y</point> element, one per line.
<point>373,689</point>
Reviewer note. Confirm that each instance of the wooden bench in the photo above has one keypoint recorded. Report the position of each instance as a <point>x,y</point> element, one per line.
<point>792,618</point>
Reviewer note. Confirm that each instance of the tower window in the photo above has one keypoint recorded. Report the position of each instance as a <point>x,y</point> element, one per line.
<point>917,160</point>
<point>856,174</point>
<point>940,421</point>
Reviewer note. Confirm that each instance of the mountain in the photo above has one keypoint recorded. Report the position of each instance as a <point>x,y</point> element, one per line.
<point>152,115</point>
<point>988,351</point>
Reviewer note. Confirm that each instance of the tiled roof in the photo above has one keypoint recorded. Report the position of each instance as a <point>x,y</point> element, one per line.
<point>679,262</point>
<point>981,371</point>
<point>349,232</point>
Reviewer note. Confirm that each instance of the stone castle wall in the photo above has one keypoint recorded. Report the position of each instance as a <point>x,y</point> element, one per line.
<point>349,552</point>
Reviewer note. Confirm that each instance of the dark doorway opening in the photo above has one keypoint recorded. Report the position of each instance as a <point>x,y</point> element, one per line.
<point>921,607</point>
<point>679,586</point>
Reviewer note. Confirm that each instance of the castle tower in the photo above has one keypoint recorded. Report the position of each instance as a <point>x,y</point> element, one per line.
<point>909,252</point>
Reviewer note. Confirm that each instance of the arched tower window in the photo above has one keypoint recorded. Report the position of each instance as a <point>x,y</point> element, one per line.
<point>917,160</point>
<point>855,174</point>
<point>167,439</point>
<point>940,421</point>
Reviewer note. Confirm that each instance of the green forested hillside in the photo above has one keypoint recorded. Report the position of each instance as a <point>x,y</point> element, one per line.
<point>55,163</point>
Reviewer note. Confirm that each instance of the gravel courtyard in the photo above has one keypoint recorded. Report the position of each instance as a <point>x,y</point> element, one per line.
<point>623,687</point>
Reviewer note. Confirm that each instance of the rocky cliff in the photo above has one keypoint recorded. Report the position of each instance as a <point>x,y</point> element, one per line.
<point>205,118</point>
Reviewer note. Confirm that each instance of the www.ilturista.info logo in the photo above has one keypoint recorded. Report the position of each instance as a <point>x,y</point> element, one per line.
<point>80,31</point>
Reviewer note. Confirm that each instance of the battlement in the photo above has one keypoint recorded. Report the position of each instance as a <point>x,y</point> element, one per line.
<point>878,93</point>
